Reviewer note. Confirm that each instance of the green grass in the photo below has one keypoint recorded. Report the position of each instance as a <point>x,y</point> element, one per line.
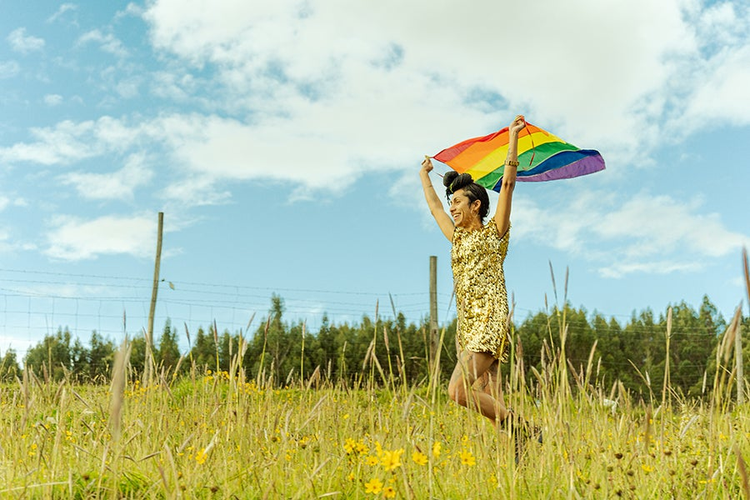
<point>215,436</point>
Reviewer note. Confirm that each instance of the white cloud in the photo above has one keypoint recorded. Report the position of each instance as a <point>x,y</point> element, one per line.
<point>305,153</point>
<point>107,42</point>
<point>7,244</point>
<point>603,75</point>
<point>4,237</point>
<point>73,238</point>
<point>24,44</point>
<point>661,224</point>
<point>172,86</point>
<point>66,7</point>
<point>330,90</point>
<point>620,269</point>
<point>649,234</point>
<point>315,95</point>
<point>53,99</point>
<point>68,142</point>
<point>9,69</point>
<point>6,202</point>
<point>130,10</point>
<point>330,49</point>
<point>565,225</point>
<point>128,88</point>
<point>723,94</point>
<point>118,185</point>
<point>194,191</point>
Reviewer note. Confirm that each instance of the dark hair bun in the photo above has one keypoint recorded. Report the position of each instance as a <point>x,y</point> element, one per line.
<point>453,181</point>
<point>449,177</point>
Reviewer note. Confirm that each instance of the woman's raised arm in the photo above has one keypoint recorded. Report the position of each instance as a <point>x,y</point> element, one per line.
<point>502,213</point>
<point>443,220</point>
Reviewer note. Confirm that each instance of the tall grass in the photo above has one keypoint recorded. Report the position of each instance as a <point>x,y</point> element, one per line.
<point>214,434</point>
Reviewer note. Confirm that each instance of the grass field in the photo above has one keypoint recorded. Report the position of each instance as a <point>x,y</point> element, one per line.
<point>214,435</point>
<point>219,435</point>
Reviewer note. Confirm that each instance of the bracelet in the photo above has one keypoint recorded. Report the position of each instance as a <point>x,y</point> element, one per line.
<point>511,163</point>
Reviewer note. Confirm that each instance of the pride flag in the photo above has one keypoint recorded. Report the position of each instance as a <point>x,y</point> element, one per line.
<point>541,156</point>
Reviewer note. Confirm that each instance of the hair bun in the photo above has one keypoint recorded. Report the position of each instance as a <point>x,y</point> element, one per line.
<point>454,181</point>
<point>449,177</point>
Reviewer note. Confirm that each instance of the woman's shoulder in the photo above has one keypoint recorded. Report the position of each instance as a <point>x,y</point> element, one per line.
<point>490,229</point>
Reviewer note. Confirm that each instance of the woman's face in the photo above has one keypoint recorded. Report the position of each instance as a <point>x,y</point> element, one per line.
<point>464,213</point>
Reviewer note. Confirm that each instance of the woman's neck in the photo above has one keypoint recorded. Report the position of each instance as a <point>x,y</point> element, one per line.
<point>474,225</point>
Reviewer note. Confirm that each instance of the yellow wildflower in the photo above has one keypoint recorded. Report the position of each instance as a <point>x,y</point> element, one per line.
<point>392,459</point>
<point>419,458</point>
<point>349,445</point>
<point>372,460</point>
<point>467,458</point>
<point>373,486</point>
<point>362,448</point>
<point>389,492</point>
<point>436,449</point>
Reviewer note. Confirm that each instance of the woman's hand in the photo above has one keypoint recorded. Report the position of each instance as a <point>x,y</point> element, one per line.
<point>518,123</point>
<point>427,165</point>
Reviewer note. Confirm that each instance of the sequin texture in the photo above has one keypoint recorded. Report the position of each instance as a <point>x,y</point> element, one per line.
<point>481,298</point>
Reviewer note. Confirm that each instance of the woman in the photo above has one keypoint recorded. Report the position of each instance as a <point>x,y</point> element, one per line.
<point>477,256</point>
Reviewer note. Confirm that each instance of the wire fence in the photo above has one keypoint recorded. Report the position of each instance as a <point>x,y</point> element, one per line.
<point>38,303</point>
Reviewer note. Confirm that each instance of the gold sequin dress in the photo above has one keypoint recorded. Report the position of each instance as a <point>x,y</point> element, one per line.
<point>481,298</point>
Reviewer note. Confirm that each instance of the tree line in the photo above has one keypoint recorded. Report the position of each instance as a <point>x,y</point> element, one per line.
<point>280,351</point>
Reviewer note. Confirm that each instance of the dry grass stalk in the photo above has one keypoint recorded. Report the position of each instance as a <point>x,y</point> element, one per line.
<point>263,352</point>
<point>117,388</point>
<point>216,345</point>
<point>668,336</point>
<point>402,361</point>
<point>149,362</point>
<point>743,473</point>
<point>314,380</point>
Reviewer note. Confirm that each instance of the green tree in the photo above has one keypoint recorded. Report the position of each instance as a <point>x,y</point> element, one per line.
<point>9,368</point>
<point>639,343</point>
<point>79,358</point>
<point>270,347</point>
<point>204,351</point>
<point>610,363</point>
<point>168,353</point>
<point>138,355</point>
<point>325,353</point>
<point>534,334</point>
<point>227,350</point>
<point>580,338</point>
<point>51,357</point>
<point>101,356</point>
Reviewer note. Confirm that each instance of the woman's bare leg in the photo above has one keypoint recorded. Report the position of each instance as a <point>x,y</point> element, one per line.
<point>471,367</point>
<point>491,383</point>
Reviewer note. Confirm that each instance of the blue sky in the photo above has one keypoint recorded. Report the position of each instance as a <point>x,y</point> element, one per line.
<point>282,140</point>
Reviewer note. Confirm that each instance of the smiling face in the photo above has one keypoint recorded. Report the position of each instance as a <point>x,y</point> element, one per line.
<point>465,213</point>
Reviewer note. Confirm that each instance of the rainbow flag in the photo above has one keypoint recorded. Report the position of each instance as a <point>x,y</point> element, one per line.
<point>542,157</point>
